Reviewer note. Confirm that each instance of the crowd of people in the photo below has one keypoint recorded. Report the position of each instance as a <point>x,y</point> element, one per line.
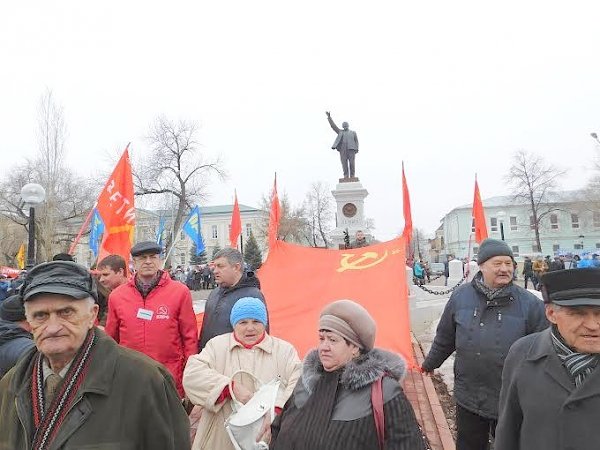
<point>73,376</point>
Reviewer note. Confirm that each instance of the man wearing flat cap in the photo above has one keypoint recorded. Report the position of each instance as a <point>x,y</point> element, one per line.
<point>79,389</point>
<point>481,320</point>
<point>550,396</point>
<point>153,314</point>
<point>15,333</point>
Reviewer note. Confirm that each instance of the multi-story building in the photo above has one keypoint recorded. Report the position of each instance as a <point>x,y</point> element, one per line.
<point>568,225</point>
<point>215,223</point>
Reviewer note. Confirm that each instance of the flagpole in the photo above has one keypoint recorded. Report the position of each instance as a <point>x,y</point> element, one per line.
<point>83,227</point>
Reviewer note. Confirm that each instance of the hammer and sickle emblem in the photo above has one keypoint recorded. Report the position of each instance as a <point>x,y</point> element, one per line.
<point>366,260</point>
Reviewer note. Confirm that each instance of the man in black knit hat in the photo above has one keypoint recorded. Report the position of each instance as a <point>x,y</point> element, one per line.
<point>481,320</point>
<point>15,333</point>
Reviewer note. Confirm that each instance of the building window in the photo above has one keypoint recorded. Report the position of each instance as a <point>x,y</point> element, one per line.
<point>596,219</point>
<point>182,235</point>
<point>553,222</point>
<point>248,230</point>
<point>473,225</point>
<point>574,221</point>
<point>475,250</point>
<point>215,233</point>
<point>531,222</point>
<point>578,246</point>
<point>555,248</point>
<point>597,244</point>
<point>515,249</point>
<point>513,223</point>
<point>535,248</point>
<point>182,256</point>
<point>493,224</point>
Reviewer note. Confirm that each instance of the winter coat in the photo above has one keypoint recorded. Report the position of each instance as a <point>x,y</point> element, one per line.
<point>14,342</point>
<point>169,337</point>
<point>481,333</point>
<point>528,268</point>
<point>539,267</point>
<point>540,408</point>
<point>126,401</point>
<point>219,303</point>
<point>207,374</point>
<point>332,410</point>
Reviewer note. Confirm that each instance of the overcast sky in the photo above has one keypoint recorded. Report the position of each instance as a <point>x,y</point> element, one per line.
<point>451,88</point>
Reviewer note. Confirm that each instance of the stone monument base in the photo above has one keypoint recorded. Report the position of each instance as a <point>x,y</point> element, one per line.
<point>350,198</point>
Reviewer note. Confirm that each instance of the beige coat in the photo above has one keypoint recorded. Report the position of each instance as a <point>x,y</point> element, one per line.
<point>208,373</point>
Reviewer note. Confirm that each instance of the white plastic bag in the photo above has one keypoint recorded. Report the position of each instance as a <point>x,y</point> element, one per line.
<point>244,424</point>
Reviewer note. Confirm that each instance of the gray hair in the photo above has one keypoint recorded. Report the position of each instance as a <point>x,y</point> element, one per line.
<point>232,255</point>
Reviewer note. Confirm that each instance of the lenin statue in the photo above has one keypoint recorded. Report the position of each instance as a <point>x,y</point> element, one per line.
<point>346,143</point>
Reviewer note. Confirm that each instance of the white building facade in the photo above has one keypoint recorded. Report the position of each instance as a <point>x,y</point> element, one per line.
<point>569,225</point>
<point>215,224</point>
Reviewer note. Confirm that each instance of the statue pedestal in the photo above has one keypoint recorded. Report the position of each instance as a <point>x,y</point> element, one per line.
<point>350,214</point>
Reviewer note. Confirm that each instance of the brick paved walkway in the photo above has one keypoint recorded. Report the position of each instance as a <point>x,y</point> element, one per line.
<point>420,391</point>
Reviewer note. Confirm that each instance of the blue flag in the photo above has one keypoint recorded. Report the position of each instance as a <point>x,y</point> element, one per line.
<point>161,231</point>
<point>192,229</point>
<point>96,230</point>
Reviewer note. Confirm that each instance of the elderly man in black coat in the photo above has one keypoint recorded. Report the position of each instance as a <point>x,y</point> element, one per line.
<point>550,396</point>
<point>482,319</point>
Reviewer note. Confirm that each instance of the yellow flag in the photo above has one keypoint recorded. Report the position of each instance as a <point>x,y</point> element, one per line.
<point>21,257</point>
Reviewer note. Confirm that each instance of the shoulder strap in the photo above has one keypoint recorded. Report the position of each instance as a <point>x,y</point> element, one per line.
<point>378,415</point>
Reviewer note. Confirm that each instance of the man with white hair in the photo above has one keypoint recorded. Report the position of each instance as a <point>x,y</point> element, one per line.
<point>78,388</point>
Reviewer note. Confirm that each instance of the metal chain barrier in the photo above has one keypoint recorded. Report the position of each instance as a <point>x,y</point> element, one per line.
<point>445,291</point>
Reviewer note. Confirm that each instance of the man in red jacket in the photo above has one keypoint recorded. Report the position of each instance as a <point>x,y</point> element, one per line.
<point>153,314</point>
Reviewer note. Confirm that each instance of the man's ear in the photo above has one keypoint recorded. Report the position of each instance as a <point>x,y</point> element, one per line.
<point>551,313</point>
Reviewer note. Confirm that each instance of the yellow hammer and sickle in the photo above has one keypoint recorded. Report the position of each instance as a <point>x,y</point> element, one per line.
<point>356,264</point>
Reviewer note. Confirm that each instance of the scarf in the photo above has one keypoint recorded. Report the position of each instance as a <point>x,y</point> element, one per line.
<point>579,365</point>
<point>146,288</point>
<point>490,293</point>
<point>48,423</point>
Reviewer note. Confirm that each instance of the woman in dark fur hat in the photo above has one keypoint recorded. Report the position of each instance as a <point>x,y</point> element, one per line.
<point>349,396</point>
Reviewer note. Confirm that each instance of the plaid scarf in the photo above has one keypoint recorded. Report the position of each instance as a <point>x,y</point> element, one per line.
<point>579,365</point>
<point>49,422</point>
<point>490,293</point>
<point>144,288</point>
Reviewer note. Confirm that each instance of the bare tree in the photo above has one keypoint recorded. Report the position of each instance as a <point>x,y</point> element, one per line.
<point>319,214</point>
<point>532,179</point>
<point>292,225</point>
<point>68,196</point>
<point>175,168</point>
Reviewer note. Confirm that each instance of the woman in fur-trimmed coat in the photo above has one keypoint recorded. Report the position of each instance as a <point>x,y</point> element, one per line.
<point>331,407</point>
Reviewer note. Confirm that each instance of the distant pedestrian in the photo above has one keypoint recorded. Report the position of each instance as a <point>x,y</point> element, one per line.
<point>528,274</point>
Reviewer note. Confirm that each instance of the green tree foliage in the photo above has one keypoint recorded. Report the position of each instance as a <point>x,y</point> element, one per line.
<point>216,249</point>
<point>252,253</point>
<point>197,259</point>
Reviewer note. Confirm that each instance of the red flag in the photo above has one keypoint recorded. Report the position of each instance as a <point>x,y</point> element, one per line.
<point>479,216</point>
<point>236,224</point>
<point>407,233</point>
<point>274,216</point>
<point>365,277</point>
<point>116,207</point>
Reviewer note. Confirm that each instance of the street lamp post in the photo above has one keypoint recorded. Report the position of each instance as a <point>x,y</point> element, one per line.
<point>32,194</point>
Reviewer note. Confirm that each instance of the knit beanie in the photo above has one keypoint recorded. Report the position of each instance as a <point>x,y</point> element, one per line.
<point>351,321</point>
<point>12,310</point>
<point>248,308</point>
<point>492,247</point>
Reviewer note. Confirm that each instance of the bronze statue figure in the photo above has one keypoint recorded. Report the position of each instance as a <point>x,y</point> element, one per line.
<point>346,143</point>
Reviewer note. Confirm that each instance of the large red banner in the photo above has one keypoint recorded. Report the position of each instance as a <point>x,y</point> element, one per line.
<point>299,281</point>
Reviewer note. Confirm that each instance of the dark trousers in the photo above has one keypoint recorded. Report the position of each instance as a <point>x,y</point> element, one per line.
<point>532,278</point>
<point>347,159</point>
<point>473,431</point>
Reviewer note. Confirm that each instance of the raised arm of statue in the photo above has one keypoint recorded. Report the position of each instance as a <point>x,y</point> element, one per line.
<point>332,124</point>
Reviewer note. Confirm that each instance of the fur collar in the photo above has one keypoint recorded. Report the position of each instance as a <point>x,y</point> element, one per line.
<point>358,373</point>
